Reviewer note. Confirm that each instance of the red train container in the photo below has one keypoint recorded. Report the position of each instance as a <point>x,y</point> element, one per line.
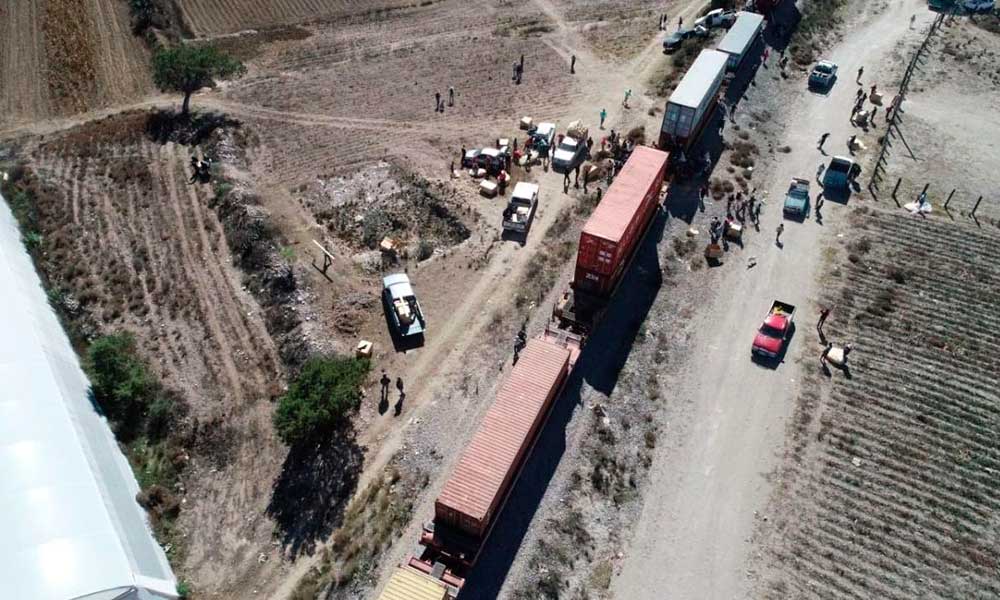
<point>614,229</point>
<point>485,473</point>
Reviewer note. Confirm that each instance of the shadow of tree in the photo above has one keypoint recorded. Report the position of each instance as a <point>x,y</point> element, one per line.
<point>316,482</point>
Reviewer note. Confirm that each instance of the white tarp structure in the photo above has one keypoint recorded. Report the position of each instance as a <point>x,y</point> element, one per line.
<point>69,524</point>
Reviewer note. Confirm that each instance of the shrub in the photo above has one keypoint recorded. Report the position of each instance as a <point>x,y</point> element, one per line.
<point>325,391</point>
<point>121,385</point>
<point>425,250</point>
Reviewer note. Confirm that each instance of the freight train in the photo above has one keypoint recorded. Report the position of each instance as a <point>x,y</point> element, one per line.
<point>466,510</point>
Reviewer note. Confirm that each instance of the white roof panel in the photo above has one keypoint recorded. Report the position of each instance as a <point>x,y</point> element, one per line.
<point>742,33</point>
<point>71,524</point>
<point>699,78</point>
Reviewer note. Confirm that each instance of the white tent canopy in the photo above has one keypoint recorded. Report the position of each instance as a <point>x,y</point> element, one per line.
<point>71,525</point>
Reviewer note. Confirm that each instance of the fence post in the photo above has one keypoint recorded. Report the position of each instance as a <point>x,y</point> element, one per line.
<point>974,208</point>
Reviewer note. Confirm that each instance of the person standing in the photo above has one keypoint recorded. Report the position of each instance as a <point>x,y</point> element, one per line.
<point>850,142</point>
<point>437,101</point>
<point>861,71</point>
<point>680,22</point>
<point>823,314</point>
<point>604,115</point>
<point>385,386</point>
<point>399,384</point>
<point>819,172</point>
<point>779,231</point>
<point>572,65</point>
<point>451,96</point>
<point>628,94</point>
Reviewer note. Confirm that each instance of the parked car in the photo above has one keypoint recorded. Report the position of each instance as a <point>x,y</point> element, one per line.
<point>470,158</point>
<point>797,199</point>
<point>570,153</point>
<point>674,41</point>
<point>492,159</point>
<point>402,306</point>
<point>774,332</point>
<point>520,211</point>
<point>840,173</point>
<point>823,75</point>
<point>719,17</point>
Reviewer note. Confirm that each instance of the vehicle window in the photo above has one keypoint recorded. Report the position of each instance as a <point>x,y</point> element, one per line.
<point>770,331</point>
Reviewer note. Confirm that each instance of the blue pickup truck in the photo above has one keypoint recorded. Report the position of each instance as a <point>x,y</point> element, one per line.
<point>797,199</point>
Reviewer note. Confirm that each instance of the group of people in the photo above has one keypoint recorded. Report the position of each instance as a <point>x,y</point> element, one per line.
<point>439,101</point>
<point>824,314</point>
<point>384,401</point>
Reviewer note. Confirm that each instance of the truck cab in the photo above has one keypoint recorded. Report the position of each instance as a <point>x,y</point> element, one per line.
<point>797,199</point>
<point>520,212</point>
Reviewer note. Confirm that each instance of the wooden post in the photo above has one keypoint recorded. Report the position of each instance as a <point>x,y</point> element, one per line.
<point>327,260</point>
<point>898,181</point>
<point>949,198</point>
<point>974,208</point>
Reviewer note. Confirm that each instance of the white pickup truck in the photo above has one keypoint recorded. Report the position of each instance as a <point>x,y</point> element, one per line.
<point>520,212</point>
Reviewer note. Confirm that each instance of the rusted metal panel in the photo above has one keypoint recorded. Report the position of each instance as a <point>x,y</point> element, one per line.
<point>613,230</point>
<point>480,482</point>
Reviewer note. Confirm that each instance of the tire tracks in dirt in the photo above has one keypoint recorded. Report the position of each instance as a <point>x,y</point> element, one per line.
<point>172,169</point>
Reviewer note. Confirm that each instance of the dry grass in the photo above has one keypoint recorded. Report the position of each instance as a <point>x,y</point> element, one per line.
<point>70,49</point>
<point>372,522</point>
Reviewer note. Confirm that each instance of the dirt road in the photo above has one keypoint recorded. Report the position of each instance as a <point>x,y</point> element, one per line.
<point>692,538</point>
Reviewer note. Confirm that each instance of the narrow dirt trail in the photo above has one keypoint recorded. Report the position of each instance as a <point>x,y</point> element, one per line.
<point>692,539</point>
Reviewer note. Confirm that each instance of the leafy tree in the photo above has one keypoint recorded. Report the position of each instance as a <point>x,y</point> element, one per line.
<point>120,382</point>
<point>320,398</point>
<point>187,69</point>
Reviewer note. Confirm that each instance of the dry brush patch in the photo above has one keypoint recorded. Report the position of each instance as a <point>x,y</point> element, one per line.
<point>373,520</point>
<point>891,485</point>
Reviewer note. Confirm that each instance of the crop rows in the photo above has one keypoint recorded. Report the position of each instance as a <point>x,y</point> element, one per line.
<point>207,17</point>
<point>139,248</point>
<point>919,515</point>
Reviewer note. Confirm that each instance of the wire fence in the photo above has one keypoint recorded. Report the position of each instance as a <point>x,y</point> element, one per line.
<point>894,118</point>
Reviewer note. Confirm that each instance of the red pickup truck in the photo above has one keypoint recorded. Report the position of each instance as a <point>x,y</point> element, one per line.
<point>774,332</point>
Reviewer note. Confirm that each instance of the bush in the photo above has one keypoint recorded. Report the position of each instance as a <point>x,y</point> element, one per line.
<point>121,385</point>
<point>326,390</point>
<point>425,250</point>
<point>129,395</point>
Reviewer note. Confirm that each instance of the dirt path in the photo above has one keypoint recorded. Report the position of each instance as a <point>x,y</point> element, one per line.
<point>448,347</point>
<point>705,489</point>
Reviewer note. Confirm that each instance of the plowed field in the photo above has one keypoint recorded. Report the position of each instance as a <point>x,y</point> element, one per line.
<point>141,250</point>
<point>208,17</point>
<point>61,57</point>
<point>893,491</point>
